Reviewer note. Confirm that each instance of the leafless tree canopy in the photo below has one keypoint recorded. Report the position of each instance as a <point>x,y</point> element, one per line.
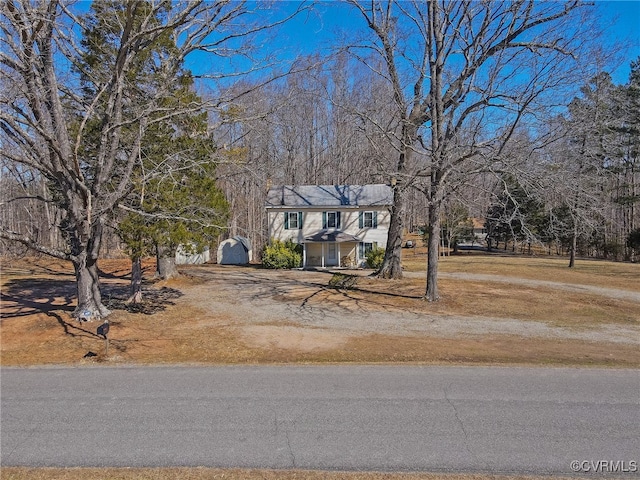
<point>80,129</point>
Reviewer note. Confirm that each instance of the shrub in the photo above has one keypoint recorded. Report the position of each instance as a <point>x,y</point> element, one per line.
<point>633,240</point>
<point>281,255</point>
<point>340,281</point>
<point>375,257</point>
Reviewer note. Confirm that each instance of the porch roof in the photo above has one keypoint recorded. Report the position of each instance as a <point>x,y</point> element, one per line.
<point>331,236</point>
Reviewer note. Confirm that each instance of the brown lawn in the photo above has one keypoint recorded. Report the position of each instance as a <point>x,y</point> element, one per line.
<point>222,315</point>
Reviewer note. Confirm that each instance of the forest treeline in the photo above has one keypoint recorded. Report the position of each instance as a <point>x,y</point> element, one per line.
<point>582,184</point>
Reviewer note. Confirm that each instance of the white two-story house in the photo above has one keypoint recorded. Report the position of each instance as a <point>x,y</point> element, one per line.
<point>336,224</point>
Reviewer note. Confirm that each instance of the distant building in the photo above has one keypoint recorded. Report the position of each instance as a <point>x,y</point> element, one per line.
<point>479,230</point>
<point>186,257</point>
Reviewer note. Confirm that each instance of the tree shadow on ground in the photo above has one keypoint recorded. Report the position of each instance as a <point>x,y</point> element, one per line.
<point>23,297</point>
<point>29,296</point>
<point>155,300</point>
<point>265,284</point>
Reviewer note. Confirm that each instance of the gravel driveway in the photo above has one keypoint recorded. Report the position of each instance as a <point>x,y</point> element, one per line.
<point>272,304</point>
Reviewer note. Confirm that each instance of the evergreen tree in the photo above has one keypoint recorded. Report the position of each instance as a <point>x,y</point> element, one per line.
<point>83,92</point>
<point>174,198</point>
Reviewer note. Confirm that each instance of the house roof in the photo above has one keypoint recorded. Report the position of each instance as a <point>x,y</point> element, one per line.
<point>329,195</point>
<point>478,222</point>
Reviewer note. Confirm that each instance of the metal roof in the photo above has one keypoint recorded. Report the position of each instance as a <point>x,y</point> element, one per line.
<point>329,195</point>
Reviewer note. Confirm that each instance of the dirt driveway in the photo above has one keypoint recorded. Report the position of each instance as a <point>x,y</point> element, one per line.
<point>230,315</point>
<point>296,309</point>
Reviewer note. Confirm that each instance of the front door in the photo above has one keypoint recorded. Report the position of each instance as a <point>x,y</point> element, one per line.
<point>332,254</point>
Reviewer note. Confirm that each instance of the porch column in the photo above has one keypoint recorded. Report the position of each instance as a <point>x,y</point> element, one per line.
<point>322,254</point>
<point>339,256</point>
<point>304,255</point>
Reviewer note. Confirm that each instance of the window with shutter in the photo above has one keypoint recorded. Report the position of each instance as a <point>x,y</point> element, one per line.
<point>292,220</point>
<point>330,220</point>
<point>364,248</point>
<point>368,220</point>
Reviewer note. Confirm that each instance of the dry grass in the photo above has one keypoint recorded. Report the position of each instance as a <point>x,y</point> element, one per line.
<point>502,300</point>
<point>551,268</point>
<point>14,473</point>
<point>37,299</point>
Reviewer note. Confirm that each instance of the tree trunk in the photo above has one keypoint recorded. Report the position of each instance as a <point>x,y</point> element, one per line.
<point>136,281</point>
<point>574,245</point>
<point>90,305</point>
<point>432,294</point>
<point>85,247</point>
<point>166,263</point>
<point>392,263</point>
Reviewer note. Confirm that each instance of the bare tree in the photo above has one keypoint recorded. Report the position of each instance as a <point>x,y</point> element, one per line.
<point>464,75</point>
<point>86,142</point>
<point>306,128</point>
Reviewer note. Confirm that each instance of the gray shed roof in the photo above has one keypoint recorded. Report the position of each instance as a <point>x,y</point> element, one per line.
<point>329,195</point>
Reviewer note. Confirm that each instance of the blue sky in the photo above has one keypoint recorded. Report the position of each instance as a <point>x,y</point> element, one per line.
<point>314,30</point>
<point>626,27</point>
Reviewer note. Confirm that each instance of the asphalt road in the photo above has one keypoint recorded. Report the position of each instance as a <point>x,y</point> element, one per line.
<point>384,418</point>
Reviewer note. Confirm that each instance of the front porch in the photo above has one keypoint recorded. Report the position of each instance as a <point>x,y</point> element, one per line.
<point>330,249</point>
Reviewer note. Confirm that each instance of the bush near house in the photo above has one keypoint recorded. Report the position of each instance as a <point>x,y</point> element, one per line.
<point>282,255</point>
<point>375,257</point>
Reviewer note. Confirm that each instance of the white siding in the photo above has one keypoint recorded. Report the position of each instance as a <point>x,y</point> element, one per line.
<point>312,223</point>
